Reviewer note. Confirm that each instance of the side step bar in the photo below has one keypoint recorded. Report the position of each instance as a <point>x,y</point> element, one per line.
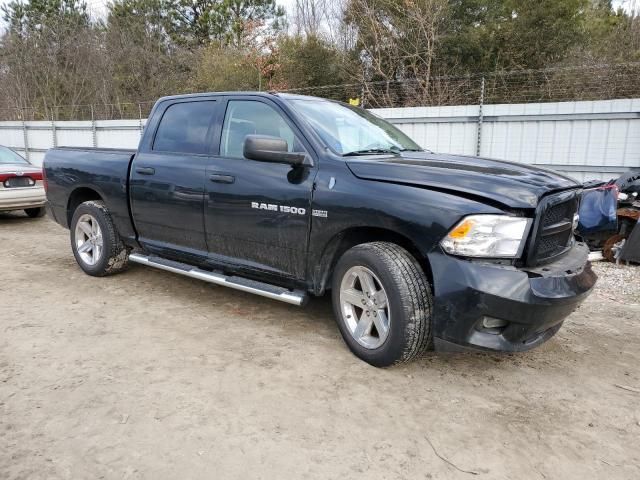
<point>294,297</point>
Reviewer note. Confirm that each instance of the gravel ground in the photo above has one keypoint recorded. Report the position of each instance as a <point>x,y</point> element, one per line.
<point>152,375</point>
<point>622,282</point>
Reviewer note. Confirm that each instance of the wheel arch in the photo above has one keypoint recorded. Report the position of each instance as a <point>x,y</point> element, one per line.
<point>79,196</point>
<point>346,239</point>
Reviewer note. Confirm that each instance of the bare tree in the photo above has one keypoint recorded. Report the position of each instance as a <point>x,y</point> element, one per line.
<point>397,40</point>
<point>309,17</point>
<point>53,65</point>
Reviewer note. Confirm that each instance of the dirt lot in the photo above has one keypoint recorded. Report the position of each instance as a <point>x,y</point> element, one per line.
<point>151,375</point>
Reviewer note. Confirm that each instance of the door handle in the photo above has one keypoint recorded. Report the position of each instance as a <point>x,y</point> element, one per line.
<point>219,178</point>
<point>145,170</point>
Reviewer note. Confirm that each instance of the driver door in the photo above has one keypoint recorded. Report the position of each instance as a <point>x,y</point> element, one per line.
<point>257,214</point>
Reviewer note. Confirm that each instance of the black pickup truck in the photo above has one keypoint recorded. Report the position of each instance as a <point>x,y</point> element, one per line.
<point>286,196</point>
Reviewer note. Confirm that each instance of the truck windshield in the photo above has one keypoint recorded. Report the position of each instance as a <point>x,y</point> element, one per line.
<point>351,131</point>
<point>8,156</point>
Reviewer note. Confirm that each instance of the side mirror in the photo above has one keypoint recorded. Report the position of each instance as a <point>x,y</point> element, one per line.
<point>265,148</point>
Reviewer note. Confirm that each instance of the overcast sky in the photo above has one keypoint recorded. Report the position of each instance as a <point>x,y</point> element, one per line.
<point>98,7</point>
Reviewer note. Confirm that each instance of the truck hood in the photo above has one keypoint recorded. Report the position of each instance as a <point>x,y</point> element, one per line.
<point>514,185</point>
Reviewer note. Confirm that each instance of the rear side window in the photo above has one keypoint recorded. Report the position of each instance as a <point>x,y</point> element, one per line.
<point>185,128</point>
<point>9,156</point>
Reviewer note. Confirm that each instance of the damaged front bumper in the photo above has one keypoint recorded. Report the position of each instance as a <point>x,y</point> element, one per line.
<point>485,306</point>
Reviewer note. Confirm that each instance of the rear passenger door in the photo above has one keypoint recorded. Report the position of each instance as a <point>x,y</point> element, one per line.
<point>167,180</point>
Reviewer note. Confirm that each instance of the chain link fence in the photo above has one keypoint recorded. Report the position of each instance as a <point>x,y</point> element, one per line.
<point>597,82</point>
<point>115,111</point>
<point>593,82</point>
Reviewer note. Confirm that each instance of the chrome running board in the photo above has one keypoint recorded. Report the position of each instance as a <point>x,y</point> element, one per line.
<point>294,297</point>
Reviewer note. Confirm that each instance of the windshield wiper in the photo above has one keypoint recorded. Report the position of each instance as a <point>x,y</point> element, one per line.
<point>369,151</point>
<point>375,151</point>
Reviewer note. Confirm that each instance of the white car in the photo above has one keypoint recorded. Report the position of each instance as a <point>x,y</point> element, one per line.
<point>21,184</point>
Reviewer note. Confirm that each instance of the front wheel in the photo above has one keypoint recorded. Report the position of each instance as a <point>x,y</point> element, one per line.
<point>95,241</point>
<point>382,302</point>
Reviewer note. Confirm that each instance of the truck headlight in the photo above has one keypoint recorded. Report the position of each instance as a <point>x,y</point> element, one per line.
<point>487,236</point>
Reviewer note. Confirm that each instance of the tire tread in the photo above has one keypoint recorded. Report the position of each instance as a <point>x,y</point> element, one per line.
<point>118,259</point>
<point>415,295</point>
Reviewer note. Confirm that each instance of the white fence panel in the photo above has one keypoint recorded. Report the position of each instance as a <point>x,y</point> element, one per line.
<point>586,140</point>
<point>74,134</point>
<point>119,133</point>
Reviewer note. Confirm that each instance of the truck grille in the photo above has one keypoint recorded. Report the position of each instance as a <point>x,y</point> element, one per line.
<point>552,245</point>
<point>554,227</point>
<point>560,212</point>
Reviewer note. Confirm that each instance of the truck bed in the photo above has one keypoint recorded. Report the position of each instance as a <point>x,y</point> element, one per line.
<point>106,170</point>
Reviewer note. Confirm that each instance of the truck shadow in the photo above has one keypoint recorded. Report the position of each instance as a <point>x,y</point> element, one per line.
<point>312,322</point>
<point>320,314</point>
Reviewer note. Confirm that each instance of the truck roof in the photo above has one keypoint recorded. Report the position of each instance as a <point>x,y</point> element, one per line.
<point>247,93</point>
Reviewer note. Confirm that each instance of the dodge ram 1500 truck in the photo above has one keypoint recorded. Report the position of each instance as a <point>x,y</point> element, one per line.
<point>288,196</point>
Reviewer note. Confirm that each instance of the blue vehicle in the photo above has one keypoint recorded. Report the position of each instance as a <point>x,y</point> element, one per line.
<point>609,214</point>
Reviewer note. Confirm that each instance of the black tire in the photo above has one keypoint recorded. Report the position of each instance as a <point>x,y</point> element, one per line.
<point>409,302</point>
<point>115,255</point>
<point>35,212</point>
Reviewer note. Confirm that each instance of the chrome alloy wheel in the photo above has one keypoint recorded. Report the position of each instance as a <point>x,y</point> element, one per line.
<point>365,307</point>
<point>89,242</point>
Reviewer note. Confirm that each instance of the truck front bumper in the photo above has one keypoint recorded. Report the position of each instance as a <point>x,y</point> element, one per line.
<point>528,305</point>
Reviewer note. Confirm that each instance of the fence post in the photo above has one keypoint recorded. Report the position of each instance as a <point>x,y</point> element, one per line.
<point>25,136</point>
<point>140,118</point>
<point>93,129</point>
<point>54,135</point>
<point>480,118</point>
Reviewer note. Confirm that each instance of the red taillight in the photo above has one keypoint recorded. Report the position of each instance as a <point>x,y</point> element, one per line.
<point>35,176</point>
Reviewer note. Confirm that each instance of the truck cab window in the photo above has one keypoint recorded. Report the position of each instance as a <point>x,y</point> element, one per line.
<point>185,128</point>
<point>245,117</point>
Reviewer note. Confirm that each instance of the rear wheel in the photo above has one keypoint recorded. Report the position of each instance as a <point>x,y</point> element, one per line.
<point>382,302</point>
<point>35,212</point>
<point>95,242</point>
